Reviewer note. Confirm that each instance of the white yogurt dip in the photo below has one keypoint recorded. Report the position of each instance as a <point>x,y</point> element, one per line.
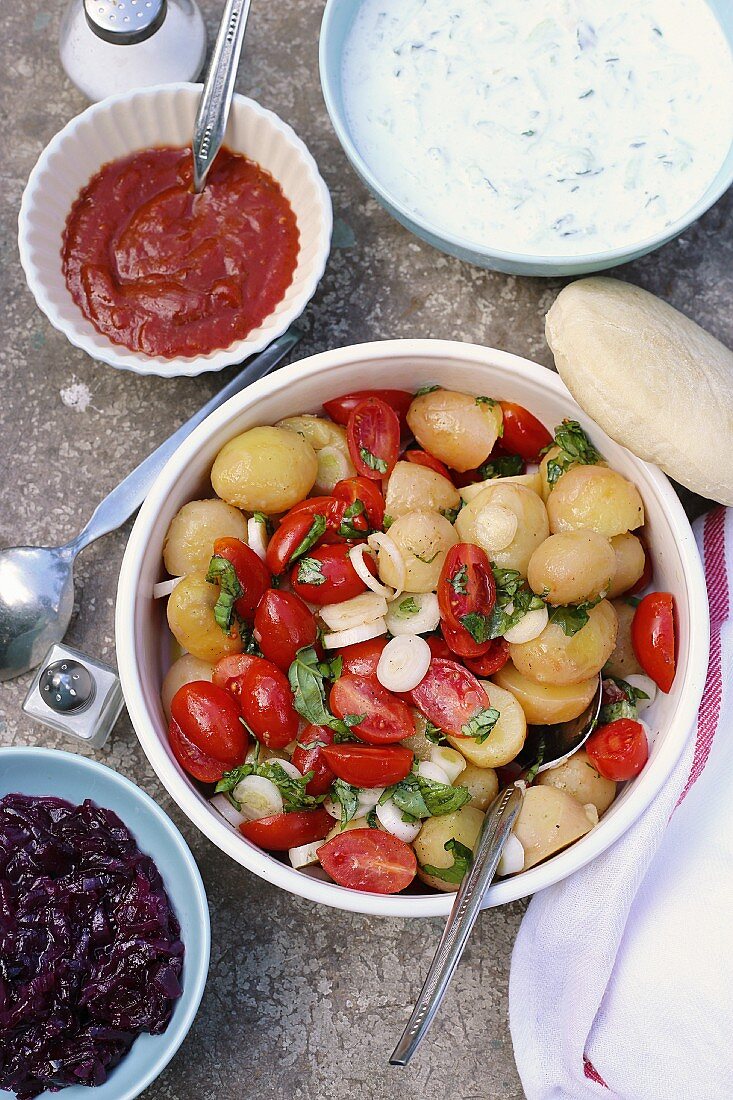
<point>560,128</point>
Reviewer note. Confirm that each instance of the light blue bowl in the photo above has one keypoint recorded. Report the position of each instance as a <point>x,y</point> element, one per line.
<point>337,22</point>
<point>34,771</point>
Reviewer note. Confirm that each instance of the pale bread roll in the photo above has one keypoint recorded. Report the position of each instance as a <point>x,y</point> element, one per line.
<point>654,380</point>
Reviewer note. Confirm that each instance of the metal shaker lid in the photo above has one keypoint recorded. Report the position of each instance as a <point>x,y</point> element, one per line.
<point>125,22</point>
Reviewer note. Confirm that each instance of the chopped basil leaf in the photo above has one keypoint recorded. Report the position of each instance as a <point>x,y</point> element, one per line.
<point>230,779</point>
<point>342,727</point>
<point>346,529</point>
<point>222,572</point>
<point>307,747</point>
<point>513,600</point>
<point>451,514</point>
<point>331,670</point>
<point>408,606</point>
<point>421,798</point>
<point>459,581</point>
<point>426,389</point>
<point>531,774</point>
<point>373,461</point>
<point>434,734</point>
<point>316,529</point>
<point>478,626</point>
<point>264,520</point>
<point>387,522</point>
<point>310,572</point>
<point>462,860</point>
<point>424,560</point>
<point>632,601</point>
<point>249,641</point>
<point>372,819</point>
<point>572,619</point>
<point>501,466</point>
<point>480,726</point>
<point>486,401</point>
<point>575,447</point>
<point>306,682</point>
<point>347,798</point>
<point>613,711</point>
<point>291,788</point>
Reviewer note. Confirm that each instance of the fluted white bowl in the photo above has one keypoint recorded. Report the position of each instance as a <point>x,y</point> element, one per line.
<point>164,115</point>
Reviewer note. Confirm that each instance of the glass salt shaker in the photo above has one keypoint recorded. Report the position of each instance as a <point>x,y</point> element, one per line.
<point>112,46</point>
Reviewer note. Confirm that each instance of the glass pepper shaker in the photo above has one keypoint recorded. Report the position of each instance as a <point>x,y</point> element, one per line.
<point>112,46</point>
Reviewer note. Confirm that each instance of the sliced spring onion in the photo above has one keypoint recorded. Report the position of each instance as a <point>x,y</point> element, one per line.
<point>645,684</point>
<point>367,799</point>
<point>304,855</point>
<point>512,857</point>
<point>290,769</point>
<point>164,588</point>
<point>257,797</point>
<point>231,814</point>
<point>383,543</point>
<point>496,526</point>
<point>390,818</point>
<point>257,536</point>
<point>529,627</point>
<point>354,612</point>
<point>450,760</point>
<point>430,770</point>
<point>403,662</point>
<point>364,633</point>
<point>356,555</point>
<point>413,613</point>
<point>333,466</point>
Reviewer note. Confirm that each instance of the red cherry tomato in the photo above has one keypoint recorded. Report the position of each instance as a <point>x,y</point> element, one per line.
<point>362,658</point>
<point>466,597</point>
<point>283,625</point>
<point>495,657</point>
<point>352,489</point>
<point>462,644</point>
<point>438,647</point>
<point>312,759</point>
<point>368,859</point>
<point>326,575</point>
<point>523,433</point>
<point>229,671</point>
<point>290,534</point>
<point>619,750</point>
<point>283,831</point>
<point>449,696</point>
<point>422,458</point>
<point>251,571</point>
<point>332,509</point>
<point>653,638</point>
<point>266,702</point>
<point>385,718</point>
<point>373,434</point>
<point>340,408</point>
<point>646,576</point>
<point>207,718</point>
<point>369,765</point>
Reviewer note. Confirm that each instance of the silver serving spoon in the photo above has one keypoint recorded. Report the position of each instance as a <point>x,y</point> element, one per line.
<point>545,747</point>
<point>216,98</point>
<point>36,582</point>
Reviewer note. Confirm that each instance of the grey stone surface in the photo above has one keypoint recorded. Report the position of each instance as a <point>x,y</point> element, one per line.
<point>301,1001</point>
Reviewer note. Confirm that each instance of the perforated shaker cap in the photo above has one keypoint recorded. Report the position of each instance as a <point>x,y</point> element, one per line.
<point>125,22</point>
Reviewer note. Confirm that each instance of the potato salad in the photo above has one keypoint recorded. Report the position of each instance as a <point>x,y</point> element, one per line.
<point>377,602</point>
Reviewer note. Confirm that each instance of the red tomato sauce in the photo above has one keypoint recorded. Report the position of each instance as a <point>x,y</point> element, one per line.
<point>167,272</point>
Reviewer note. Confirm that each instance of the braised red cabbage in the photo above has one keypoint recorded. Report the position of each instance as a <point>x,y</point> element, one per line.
<point>90,949</point>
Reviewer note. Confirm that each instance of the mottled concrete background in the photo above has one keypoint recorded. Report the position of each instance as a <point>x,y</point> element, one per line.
<point>301,1001</point>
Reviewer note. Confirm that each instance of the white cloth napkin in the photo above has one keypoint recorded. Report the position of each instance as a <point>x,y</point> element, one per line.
<point>621,982</point>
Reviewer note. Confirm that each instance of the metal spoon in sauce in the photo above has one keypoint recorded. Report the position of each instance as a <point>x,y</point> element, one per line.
<point>36,582</point>
<point>545,747</point>
<point>216,98</point>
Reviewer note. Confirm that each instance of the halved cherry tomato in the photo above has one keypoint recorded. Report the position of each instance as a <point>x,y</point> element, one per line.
<point>340,408</point>
<point>282,831</point>
<point>229,672</point>
<point>462,644</point>
<point>466,597</point>
<point>438,647</point>
<point>367,491</point>
<point>422,458</point>
<point>283,625</point>
<point>206,735</point>
<point>619,750</point>
<point>495,657</point>
<point>646,576</point>
<point>653,638</point>
<point>266,702</point>
<point>362,658</point>
<point>369,765</point>
<point>523,433</point>
<point>373,435</point>
<point>449,696</point>
<point>252,574</point>
<point>369,859</point>
<point>312,759</point>
<point>289,536</point>
<point>384,718</point>
<point>330,508</point>
<point>326,575</point>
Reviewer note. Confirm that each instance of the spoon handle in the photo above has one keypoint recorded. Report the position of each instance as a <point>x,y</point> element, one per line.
<point>126,497</point>
<point>213,112</point>
<point>497,825</point>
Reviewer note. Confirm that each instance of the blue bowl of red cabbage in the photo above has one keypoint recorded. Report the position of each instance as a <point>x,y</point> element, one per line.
<point>104,931</point>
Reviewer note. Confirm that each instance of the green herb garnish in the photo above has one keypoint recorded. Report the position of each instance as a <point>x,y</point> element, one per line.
<point>222,572</point>
<point>373,461</point>
<point>347,798</point>
<point>575,447</point>
<point>462,860</point>
<point>316,529</point>
<point>486,401</point>
<point>291,788</point>
<point>347,530</point>
<point>501,466</point>
<point>480,726</point>
<point>408,606</point>
<point>459,581</point>
<point>426,389</point>
<point>310,571</point>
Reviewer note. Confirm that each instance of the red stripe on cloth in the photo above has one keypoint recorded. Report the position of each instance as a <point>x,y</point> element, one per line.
<point>592,1073</point>
<point>716,578</point>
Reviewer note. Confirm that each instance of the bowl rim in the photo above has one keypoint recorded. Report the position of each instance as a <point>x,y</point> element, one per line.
<point>176,1032</point>
<point>118,355</point>
<point>646,786</point>
<point>330,78</point>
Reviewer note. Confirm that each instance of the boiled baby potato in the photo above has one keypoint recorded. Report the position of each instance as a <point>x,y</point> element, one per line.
<point>548,821</point>
<point>512,515</point>
<point>317,431</point>
<point>265,470</point>
<point>553,657</point>
<point>411,487</point>
<point>506,738</point>
<point>572,567</point>
<point>190,538</point>
<point>630,560</point>
<point>355,823</point>
<point>544,704</point>
<point>192,623</point>
<point>623,662</point>
<point>457,428</point>
<point>578,777</point>
<point>423,538</point>
<point>530,481</point>
<point>481,782</point>
<point>595,497</point>
<point>183,671</point>
<point>464,826</point>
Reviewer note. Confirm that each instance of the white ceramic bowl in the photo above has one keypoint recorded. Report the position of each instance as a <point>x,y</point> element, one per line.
<point>143,641</point>
<point>164,115</point>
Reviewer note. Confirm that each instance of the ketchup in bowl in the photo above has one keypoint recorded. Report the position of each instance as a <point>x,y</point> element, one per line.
<point>166,272</point>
